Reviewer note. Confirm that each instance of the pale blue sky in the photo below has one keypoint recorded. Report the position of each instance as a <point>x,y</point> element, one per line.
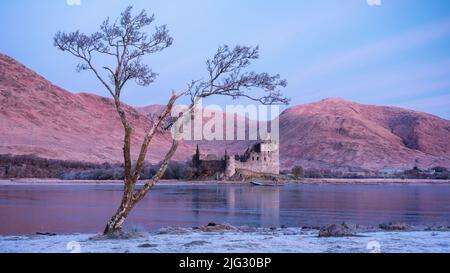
<point>394,54</point>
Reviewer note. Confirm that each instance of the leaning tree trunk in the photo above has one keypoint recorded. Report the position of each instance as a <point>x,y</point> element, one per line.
<point>131,198</point>
<point>126,205</point>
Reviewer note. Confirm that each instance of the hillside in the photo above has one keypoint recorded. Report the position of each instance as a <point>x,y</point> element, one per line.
<point>42,119</point>
<point>338,134</point>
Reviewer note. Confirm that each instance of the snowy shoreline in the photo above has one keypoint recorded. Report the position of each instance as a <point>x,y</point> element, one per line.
<point>280,240</point>
<point>306,181</point>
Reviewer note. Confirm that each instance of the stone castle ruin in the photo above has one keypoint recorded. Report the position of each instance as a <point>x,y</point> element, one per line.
<point>261,159</point>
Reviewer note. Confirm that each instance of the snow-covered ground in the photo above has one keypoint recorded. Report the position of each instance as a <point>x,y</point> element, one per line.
<point>261,240</point>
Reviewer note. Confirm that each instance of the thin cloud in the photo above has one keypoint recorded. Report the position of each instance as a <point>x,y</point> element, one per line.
<point>73,2</point>
<point>373,2</point>
<point>395,82</point>
<point>381,49</point>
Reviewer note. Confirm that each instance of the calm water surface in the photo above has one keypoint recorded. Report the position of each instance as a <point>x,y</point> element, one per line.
<point>86,208</point>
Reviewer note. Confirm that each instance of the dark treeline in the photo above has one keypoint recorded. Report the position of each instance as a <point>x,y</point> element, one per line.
<point>175,170</point>
<point>433,173</point>
<point>30,166</point>
<point>415,173</point>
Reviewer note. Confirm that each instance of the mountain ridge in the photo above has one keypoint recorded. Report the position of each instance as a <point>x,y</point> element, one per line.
<point>43,119</point>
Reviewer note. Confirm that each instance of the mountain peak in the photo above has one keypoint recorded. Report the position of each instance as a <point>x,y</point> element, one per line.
<point>334,100</point>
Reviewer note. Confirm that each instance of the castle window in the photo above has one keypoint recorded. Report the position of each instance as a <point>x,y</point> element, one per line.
<point>257,159</point>
<point>265,159</point>
<point>253,158</point>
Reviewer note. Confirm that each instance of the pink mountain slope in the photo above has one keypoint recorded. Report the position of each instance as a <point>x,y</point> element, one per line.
<point>338,134</point>
<point>40,118</point>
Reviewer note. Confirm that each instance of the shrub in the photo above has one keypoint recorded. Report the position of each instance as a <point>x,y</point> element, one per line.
<point>298,172</point>
<point>440,169</point>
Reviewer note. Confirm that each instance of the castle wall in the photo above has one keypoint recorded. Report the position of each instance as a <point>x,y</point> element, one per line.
<point>211,167</point>
<point>262,158</point>
<point>264,162</point>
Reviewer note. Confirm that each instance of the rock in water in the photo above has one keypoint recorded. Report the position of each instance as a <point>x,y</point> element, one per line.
<point>211,227</point>
<point>46,233</point>
<point>337,230</point>
<point>147,245</point>
<point>174,230</point>
<point>196,243</point>
<point>394,226</point>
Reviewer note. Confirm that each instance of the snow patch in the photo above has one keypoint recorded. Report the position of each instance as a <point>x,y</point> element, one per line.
<point>290,240</point>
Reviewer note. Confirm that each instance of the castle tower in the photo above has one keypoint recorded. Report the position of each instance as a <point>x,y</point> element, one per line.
<point>230,166</point>
<point>270,153</point>
<point>196,158</point>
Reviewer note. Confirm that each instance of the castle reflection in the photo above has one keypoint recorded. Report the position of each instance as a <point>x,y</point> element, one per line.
<point>264,201</point>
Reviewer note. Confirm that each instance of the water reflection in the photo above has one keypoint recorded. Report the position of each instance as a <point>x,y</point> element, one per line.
<point>66,209</point>
<point>263,202</point>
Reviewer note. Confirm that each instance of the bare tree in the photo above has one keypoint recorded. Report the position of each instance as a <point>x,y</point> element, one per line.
<point>126,42</point>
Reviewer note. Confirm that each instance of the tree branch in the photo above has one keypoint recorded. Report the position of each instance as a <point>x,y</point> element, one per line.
<point>228,78</point>
<point>149,136</point>
<point>149,185</point>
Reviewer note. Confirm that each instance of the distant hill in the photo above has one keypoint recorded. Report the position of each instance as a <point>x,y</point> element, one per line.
<point>42,119</point>
<point>338,134</point>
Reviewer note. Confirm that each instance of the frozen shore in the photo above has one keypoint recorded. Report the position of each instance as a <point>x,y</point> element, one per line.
<point>281,240</point>
<point>306,181</point>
